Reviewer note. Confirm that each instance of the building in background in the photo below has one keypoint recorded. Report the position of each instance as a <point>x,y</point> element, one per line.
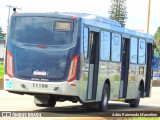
<point>2,44</point>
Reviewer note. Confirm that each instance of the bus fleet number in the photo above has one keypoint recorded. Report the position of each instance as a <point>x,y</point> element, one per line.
<point>37,85</point>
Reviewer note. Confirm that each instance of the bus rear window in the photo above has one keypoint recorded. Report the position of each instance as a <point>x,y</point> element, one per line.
<point>62,26</point>
<point>43,30</point>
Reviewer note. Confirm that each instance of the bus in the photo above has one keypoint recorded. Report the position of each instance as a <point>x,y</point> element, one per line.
<point>77,57</point>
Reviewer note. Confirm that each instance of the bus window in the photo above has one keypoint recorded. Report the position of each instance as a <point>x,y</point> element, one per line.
<point>134,48</point>
<point>85,42</point>
<point>41,30</point>
<point>142,48</point>
<point>116,47</point>
<point>105,46</point>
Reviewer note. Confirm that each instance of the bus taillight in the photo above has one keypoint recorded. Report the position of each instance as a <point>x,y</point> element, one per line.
<point>10,67</point>
<point>73,69</point>
<point>74,17</point>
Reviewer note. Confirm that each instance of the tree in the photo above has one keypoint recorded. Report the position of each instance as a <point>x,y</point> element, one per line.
<point>2,35</point>
<point>118,11</point>
<point>157,39</point>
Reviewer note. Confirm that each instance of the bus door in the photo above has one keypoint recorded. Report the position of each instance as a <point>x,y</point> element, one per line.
<point>93,65</point>
<point>148,69</point>
<point>124,68</point>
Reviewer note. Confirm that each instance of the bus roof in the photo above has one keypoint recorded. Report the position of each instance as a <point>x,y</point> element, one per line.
<point>95,20</point>
<point>78,15</point>
<point>93,17</point>
<point>116,26</point>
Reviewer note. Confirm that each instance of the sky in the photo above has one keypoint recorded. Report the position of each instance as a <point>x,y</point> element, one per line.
<point>137,10</point>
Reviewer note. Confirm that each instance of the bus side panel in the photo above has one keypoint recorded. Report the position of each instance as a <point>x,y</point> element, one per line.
<point>102,75</point>
<point>139,72</point>
<point>110,71</point>
<point>84,66</point>
<point>114,77</point>
<point>133,81</point>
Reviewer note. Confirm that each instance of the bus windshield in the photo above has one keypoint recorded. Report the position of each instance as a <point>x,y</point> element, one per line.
<point>43,30</point>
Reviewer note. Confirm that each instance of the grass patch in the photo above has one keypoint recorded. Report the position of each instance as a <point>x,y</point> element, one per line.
<point>1,70</point>
<point>145,118</point>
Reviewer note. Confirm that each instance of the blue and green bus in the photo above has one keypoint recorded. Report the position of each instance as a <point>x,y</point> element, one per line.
<point>77,57</point>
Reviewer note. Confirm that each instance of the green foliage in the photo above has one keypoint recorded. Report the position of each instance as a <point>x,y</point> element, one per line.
<point>1,70</point>
<point>118,11</point>
<point>145,118</point>
<point>157,39</point>
<point>2,35</point>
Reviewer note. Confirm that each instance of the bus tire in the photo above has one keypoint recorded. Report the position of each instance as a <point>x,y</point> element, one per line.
<point>51,102</point>
<point>103,105</point>
<point>135,102</point>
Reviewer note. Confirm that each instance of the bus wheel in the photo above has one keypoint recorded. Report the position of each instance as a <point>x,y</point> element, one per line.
<point>135,102</point>
<point>51,102</point>
<point>103,105</point>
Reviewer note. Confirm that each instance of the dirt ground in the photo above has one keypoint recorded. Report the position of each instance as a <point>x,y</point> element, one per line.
<point>1,84</point>
<point>156,83</point>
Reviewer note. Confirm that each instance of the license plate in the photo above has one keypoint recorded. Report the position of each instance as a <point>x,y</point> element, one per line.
<point>40,73</point>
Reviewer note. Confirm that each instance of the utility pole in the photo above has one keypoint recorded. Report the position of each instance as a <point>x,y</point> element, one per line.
<point>148,16</point>
<point>9,7</point>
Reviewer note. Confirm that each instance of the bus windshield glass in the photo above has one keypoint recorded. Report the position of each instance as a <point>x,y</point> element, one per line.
<point>43,30</point>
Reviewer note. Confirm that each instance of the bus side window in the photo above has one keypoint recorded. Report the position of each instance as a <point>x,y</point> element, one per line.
<point>134,48</point>
<point>105,46</point>
<point>85,42</point>
<point>142,51</point>
<point>116,47</point>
